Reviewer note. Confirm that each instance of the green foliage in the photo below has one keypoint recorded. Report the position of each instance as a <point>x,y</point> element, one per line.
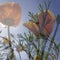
<point>47,5</point>
<point>34,18</point>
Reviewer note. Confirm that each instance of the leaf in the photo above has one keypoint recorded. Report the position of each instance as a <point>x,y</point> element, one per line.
<point>6,48</point>
<point>59,45</point>
<point>52,55</point>
<point>33,17</point>
<point>37,17</point>
<point>45,4</point>
<point>46,56</point>
<point>41,8</point>
<point>56,46</point>
<point>31,20</point>
<point>49,4</point>
<point>25,35</point>
<point>12,35</point>
<point>21,36</point>
<point>34,45</point>
<point>31,35</point>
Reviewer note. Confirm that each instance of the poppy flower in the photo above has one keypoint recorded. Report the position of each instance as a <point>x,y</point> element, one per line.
<point>10,14</point>
<point>46,29</point>
<point>47,20</point>
<point>33,27</point>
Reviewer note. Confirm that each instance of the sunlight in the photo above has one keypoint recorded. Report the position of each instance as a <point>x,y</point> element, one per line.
<point>2,25</point>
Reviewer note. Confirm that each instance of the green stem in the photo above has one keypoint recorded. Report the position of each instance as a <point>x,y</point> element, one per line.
<point>10,42</point>
<point>43,49</point>
<point>9,36</point>
<point>19,56</point>
<point>53,39</point>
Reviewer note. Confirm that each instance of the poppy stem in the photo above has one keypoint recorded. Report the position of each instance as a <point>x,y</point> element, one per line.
<point>53,39</point>
<point>10,45</point>
<point>9,36</point>
<point>19,56</point>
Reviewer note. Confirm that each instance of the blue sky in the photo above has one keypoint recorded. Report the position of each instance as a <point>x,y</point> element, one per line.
<point>32,6</point>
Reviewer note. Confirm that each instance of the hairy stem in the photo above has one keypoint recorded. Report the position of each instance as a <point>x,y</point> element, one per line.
<point>53,38</point>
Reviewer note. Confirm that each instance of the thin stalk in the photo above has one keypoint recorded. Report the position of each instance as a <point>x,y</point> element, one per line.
<point>53,38</point>
<point>43,24</point>
<point>9,36</point>
<point>10,40</point>
<point>19,56</point>
<point>43,49</point>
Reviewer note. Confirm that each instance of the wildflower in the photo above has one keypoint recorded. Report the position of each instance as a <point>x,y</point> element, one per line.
<point>10,14</point>
<point>33,27</point>
<point>43,25</point>
<point>46,21</point>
